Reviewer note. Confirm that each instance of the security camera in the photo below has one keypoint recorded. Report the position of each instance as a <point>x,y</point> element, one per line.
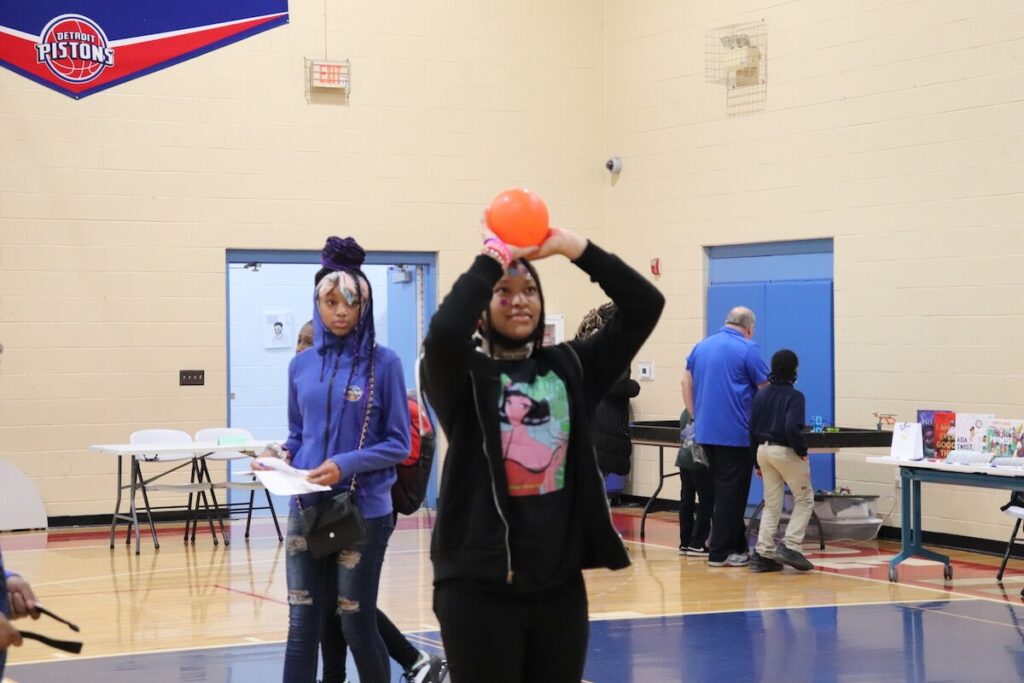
<point>614,165</point>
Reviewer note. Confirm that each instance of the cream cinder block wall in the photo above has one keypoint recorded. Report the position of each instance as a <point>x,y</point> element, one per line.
<point>115,211</point>
<point>894,128</point>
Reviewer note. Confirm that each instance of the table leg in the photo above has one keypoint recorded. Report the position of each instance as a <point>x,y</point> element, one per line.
<point>661,482</point>
<point>117,503</point>
<point>911,528</point>
<point>149,512</point>
<point>136,473</point>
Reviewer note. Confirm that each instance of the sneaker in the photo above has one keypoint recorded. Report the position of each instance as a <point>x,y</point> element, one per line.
<point>683,549</point>
<point>697,552</point>
<point>738,560</point>
<point>793,558</point>
<point>733,560</point>
<point>760,564</point>
<point>433,670</point>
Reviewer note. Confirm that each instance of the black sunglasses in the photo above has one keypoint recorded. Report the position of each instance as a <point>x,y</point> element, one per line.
<point>72,646</point>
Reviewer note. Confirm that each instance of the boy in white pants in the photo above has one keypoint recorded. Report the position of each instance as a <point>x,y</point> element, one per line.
<point>776,424</point>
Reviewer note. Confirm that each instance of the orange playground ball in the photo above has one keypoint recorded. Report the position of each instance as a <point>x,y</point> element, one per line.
<point>519,217</point>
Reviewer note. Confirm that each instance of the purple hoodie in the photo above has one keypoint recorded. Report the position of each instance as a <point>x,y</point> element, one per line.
<point>326,413</point>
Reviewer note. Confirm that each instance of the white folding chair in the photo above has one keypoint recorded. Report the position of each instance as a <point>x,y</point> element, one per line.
<point>1017,512</point>
<point>246,481</point>
<point>196,486</point>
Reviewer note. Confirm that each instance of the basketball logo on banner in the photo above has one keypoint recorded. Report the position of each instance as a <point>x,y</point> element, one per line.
<point>80,47</point>
<point>74,48</point>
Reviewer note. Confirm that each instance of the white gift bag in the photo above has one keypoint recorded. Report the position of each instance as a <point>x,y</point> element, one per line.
<point>907,443</point>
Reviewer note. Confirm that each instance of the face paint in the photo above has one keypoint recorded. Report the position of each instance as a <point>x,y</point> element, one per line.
<point>517,269</point>
<point>504,303</point>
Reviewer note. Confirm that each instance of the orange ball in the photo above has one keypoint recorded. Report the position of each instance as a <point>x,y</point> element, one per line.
<point>518,217</point>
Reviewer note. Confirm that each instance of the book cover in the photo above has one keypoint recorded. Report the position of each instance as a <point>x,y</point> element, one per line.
<point>972,431</point>
<point>926,418</point>
<point>1005,438</point>
<point>945,437</point>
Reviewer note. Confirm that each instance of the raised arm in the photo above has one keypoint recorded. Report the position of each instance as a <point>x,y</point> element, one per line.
<point>609,351</point>
<point>449,343</point>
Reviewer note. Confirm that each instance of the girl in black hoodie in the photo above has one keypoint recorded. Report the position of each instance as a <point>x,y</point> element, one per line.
<point>522,508</point>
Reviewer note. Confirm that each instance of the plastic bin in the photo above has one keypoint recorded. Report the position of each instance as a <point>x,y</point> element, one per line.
<point>843,516</point>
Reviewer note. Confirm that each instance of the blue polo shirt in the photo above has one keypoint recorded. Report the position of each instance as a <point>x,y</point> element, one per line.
<point>726,369</point>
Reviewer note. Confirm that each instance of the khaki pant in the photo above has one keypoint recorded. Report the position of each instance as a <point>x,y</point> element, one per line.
<point>780,465</point>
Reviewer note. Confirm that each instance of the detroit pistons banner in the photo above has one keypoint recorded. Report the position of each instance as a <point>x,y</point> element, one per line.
<point>84,46</point>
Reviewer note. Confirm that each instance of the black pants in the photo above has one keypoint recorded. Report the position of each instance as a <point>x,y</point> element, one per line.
<point>696,497</point>
<point>731,469</point>
<point>334,651</point>
<point>497,637</point>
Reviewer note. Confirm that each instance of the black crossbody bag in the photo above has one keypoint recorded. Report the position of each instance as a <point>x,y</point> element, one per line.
<point>336,524</point>
<point>332,525</point>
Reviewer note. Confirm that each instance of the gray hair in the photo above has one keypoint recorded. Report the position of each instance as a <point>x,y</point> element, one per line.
<point>741,316</point>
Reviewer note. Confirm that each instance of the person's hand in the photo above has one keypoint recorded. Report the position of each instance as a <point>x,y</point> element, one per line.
<point>281,451</point>
<point>23,600</point>
<point>327,474</point>
<point>560,241</point>
<point>515,252</point>
<point>8,634</point>
<point>757,471</point>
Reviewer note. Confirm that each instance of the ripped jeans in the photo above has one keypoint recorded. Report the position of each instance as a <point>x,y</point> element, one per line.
<point>354,598</point>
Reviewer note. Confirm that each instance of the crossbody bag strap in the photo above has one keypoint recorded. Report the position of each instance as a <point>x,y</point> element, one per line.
<point>369,404</point>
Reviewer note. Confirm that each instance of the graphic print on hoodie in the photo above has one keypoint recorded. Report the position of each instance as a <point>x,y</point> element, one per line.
<point>534,433</point>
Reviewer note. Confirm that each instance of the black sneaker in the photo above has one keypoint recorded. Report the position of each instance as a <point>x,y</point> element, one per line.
<point>434,670</point>
<point>793,558</point>
<point>759,564</point>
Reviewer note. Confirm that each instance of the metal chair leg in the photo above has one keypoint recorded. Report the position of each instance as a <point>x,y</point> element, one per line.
<point>248,518</point>
<point>821,530</point>
<point>209,517</point>
<point>216,510</point>
<point>1009,547</point>
<point>273,513</point>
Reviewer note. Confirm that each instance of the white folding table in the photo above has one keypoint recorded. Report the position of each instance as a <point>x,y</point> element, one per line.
<point>151,452</point>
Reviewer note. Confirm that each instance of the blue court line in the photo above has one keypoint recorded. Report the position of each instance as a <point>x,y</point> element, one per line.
<point>942,641</point>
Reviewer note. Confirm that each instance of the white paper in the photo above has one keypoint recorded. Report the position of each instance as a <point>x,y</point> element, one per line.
<point>285,480</point>
<point>907,442</point>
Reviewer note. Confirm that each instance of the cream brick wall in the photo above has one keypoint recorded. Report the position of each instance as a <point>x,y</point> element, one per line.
<point>115,211</point>
<point>894,128</point>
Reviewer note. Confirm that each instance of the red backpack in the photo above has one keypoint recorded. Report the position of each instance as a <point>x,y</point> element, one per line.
<point>410,488</point>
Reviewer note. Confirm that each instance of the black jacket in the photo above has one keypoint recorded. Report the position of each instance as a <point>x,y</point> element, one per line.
<point>471,531</point>
<point>611,427</point>
<point>777,416</point>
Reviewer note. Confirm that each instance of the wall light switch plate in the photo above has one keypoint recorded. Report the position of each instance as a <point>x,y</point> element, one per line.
<point>646,371</point>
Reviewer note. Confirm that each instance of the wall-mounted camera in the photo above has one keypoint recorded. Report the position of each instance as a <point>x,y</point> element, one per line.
<point>614,165</point>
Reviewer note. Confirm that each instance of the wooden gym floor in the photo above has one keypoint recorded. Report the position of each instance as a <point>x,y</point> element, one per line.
<point>214,613</point>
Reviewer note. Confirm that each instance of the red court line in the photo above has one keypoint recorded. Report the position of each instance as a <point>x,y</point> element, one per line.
<point>251,595</point>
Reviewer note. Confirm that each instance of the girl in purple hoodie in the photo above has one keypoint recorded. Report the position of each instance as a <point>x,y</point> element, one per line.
<point>348,422</point>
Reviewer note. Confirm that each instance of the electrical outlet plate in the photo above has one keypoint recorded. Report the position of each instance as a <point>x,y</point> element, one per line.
<point>191,378</point>
<point>646,371</point>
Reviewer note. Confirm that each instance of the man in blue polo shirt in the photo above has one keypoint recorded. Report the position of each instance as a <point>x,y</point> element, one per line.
<point>723,372</point>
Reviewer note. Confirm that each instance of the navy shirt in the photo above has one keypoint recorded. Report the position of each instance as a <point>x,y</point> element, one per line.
<point>778,417</point>
<point>727,369</point>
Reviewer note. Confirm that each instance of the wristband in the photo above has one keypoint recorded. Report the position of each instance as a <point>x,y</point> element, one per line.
<point>497,250</point>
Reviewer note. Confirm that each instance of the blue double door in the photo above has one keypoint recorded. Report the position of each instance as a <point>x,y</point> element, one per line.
<point>795,315</point>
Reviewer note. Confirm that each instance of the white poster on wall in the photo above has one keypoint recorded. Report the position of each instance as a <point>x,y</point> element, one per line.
<point>277,330</point>
<point>554,329</point>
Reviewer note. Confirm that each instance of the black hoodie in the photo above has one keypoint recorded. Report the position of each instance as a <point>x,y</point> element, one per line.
<point>471,538</point>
